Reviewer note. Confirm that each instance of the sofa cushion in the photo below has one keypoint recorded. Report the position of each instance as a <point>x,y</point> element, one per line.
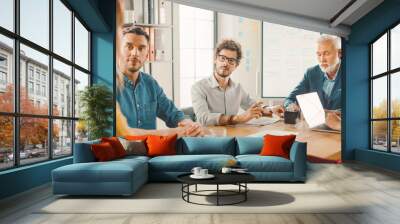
<point>116,145</point>
<point>112,171</point>
<point>257,163</point>
<point>185,163</point>
<point>83,152</point>
<point>249,145</point>
<point>277,145</point>
<point>206,145</point>
<point>161,145</point>
<point>103,152</point>
<point>134,147</point>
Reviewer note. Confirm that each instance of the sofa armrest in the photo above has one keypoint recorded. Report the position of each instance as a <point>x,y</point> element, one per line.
<point>298,155</point>
<point>83,152</point>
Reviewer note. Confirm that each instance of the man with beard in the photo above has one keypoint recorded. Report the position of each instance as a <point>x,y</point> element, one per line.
<point>325,79</point>
<point>140,99</point>
<point>216,100</point>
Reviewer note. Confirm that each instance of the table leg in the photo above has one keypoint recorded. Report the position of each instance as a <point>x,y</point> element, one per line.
<point>196,188</point>
<point>217,194</point>
<point>245,191</point>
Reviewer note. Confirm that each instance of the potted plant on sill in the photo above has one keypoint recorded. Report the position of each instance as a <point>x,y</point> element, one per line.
<point>96,103</point>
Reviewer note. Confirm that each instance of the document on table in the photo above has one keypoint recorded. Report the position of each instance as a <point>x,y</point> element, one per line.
<point>312,109</point>
<point>259,121</point>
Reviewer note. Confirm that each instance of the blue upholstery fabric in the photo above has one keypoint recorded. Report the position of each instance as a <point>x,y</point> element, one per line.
<point>83,152</point>
<point>184,163</point>
<point>257,163</point>
<point>206,145</point>
<point>126,175</point>
<point>249,145</point>
<point>298,154</point>
<point>119,177</point>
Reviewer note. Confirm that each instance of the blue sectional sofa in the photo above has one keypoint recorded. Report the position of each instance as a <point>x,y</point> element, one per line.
<point>125,176</point>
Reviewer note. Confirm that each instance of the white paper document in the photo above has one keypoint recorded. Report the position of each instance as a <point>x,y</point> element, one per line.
<point>312,109</point>
<point>263,120</point>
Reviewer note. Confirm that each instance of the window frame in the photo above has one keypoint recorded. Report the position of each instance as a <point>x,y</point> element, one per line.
<point>16,115</point>
<point>388,74</point>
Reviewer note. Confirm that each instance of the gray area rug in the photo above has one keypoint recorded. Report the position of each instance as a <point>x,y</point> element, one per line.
<point>166,198</point>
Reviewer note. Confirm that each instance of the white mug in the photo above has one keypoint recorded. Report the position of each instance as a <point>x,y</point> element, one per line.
<point>226,170</point>
<point>203,172</point>
<point>196,171</point>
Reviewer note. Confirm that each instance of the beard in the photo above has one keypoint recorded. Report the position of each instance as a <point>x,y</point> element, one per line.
<point>331,68</point>
<point>223,72</point>
<point>134,67</point>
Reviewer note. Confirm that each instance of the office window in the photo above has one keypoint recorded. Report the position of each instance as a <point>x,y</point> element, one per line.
<point>34,24</point>
<point>44,131</point>
<point>6,73</point>
<point>7,14</point>
<point>285,60</point>
<point>62,29</point>
<point>63,73</point>
<point>81,45</point>
<point>385,95</point>
<point>196,45</point>
<point>6,142</point>
<point>81,81</point>
<point>62,137</point>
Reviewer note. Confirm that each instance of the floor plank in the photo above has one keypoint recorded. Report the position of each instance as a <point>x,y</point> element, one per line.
<point>376,189</point>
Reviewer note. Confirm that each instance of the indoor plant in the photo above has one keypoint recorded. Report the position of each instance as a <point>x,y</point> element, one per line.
<point>96,102</point>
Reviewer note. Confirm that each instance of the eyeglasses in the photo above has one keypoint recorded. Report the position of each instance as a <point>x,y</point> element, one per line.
<point>231,61</point>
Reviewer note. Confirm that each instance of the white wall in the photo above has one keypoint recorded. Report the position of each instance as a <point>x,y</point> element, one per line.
<point>248,33</point>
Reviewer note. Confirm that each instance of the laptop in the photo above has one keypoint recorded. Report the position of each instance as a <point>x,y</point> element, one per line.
<point>313,112</point>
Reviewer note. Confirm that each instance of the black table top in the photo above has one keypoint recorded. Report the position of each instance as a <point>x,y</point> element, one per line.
<point>220,178</point>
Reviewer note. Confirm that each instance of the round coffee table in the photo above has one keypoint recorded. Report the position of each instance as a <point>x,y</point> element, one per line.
<point>238,179</point>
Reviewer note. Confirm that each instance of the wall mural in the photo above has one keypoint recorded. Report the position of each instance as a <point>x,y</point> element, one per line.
<point>312,108</point>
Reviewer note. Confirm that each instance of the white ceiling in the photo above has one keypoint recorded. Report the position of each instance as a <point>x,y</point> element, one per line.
<point>314,15</point>
<point>319,9</point>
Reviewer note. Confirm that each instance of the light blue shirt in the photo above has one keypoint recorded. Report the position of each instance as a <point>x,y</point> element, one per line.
<point>328,84</point>
<point>142,103</point>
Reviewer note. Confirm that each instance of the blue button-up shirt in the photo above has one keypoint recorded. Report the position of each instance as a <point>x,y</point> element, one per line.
<point>142,103</point>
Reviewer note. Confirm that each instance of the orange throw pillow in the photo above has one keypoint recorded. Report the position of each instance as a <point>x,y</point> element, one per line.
<point>103,151</point>
<point>161,145</point>
<point>116,145</point>
<point>277,145</point>
<point>136,137</point>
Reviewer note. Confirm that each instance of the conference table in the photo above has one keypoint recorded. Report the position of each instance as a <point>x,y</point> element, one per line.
<point>322,145</point>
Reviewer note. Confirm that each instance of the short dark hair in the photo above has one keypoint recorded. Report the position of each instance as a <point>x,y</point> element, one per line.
<point>130,28</point>
<point>231,45</point>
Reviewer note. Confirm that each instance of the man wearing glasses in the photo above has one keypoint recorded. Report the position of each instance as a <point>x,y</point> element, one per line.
<point>216,100</point>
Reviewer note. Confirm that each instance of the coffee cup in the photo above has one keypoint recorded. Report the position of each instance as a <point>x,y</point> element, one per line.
<point>226,170</point>
<point>203,172</point>
<point>290,117</point>
<point>196,171</point>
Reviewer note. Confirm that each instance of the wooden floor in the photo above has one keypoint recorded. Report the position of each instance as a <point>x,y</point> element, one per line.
<point>377,188</point>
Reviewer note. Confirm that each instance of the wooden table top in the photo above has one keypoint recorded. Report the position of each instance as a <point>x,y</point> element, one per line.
<point>324,145</point>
